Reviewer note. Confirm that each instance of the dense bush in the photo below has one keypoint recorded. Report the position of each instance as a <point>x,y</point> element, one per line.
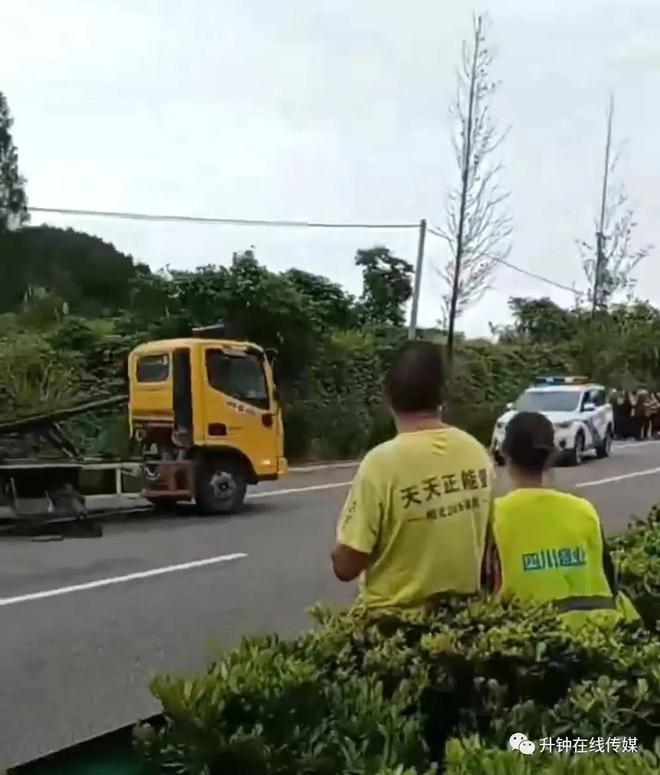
<point>637,555</point>
<point>471,757</point>
<point>336,410</point>
<point>33,375</point>
<point>395,692</point>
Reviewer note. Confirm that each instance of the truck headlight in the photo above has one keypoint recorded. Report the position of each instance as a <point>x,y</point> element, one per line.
<point>564,425</point>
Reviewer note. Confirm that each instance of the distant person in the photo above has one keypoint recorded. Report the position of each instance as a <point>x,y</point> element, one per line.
<point>640,415</point>
<point>414,523</point>
<point>626,415</point>
<point>655,414</point>
<point>618,410</point>
<point>545,545</point>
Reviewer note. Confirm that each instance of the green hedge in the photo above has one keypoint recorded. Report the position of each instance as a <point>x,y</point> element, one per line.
<point>471,757</point>
<point>392,692</point>
<point>337,411</point>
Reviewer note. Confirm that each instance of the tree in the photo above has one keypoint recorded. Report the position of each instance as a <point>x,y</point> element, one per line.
<point>13,200</point>
<point>478,226</point>
<point>386,286</point>
<point>91,275</point>
<point>334,307</point>
<point>610,261</point>
<point>257,304</point>
<point>540,321</point>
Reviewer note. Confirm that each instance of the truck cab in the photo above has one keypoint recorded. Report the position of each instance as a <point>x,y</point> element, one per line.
<point>206,420</point>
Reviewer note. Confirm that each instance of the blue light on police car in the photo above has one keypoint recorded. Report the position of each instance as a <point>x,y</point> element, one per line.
<point>556,380</point>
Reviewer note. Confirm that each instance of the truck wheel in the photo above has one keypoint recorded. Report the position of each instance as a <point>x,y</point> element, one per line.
<point>221,486</point>
<point>605,449</point>
<point>576,455</point>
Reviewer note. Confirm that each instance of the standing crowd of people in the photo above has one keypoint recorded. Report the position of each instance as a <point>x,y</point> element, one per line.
<point>636,414</point>
<point>423,520</point>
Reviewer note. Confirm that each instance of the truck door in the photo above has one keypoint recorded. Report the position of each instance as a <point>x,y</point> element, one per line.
<point>182,395</point>
<point>239,407</point>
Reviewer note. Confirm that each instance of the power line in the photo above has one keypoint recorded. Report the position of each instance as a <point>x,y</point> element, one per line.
<point>132,216</point>
<point>519,269</point>
<point>224,221</point>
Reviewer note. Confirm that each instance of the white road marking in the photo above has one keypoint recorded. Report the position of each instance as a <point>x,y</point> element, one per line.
<point>323,467</point>
<point>619,478</point>
<point>632,444</point>
<point>121,579</point>
<point>337,485</point>
<point>294,490</point>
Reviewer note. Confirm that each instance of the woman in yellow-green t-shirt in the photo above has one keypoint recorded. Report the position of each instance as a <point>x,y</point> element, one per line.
<point>546,545</point>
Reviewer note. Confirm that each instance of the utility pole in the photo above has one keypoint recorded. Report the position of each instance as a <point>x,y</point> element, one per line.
<point>412,328</point>
<point>465,173</point>
<point>600,236</point>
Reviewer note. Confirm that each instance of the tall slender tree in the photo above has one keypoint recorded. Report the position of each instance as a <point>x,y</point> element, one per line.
<point>13,200</point>
<point>610,260</point>
<point>478,226</point>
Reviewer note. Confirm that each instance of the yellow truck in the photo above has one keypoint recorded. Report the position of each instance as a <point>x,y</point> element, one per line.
<point>205,416</point>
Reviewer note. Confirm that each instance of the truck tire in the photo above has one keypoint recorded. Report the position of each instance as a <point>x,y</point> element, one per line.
<point>605,449</point>
<point>576,455</point>
<point>221,486</point>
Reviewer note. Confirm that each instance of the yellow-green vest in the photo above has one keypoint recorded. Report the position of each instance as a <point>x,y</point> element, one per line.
<point>551,550</point>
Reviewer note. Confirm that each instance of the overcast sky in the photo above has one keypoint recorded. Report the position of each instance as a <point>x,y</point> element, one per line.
<point>328,110</point>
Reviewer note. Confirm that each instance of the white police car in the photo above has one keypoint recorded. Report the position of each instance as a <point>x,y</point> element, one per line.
<point>579,411</point>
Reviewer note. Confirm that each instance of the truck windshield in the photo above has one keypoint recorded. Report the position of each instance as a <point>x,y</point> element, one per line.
<point>240,377</point>
<point>548,401</point>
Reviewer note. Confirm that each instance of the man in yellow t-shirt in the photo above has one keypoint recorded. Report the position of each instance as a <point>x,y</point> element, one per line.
<point>414,523</point>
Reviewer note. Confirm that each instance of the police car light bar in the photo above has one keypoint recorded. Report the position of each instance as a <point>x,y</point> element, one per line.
<point>562,380</point>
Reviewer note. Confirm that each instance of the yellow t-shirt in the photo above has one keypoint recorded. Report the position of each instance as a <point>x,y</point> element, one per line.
<point>420,505</point>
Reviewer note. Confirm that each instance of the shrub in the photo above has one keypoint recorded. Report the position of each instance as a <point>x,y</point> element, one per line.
<point>637,556</point>
<point>396,691</point>
<point>33,376</point>
<point>470,757</point>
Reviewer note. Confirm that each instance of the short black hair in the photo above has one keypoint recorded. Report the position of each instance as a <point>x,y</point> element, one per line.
<point>416,379</point>
<point>529,441</point>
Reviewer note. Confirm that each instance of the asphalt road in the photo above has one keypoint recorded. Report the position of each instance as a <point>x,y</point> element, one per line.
<point>156,593</point>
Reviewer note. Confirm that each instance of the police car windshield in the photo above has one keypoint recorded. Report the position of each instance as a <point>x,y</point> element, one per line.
<point>548,401</point>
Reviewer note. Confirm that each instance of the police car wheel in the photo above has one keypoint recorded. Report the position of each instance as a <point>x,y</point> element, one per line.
<point>605,449</point>
<point>576,455</point>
